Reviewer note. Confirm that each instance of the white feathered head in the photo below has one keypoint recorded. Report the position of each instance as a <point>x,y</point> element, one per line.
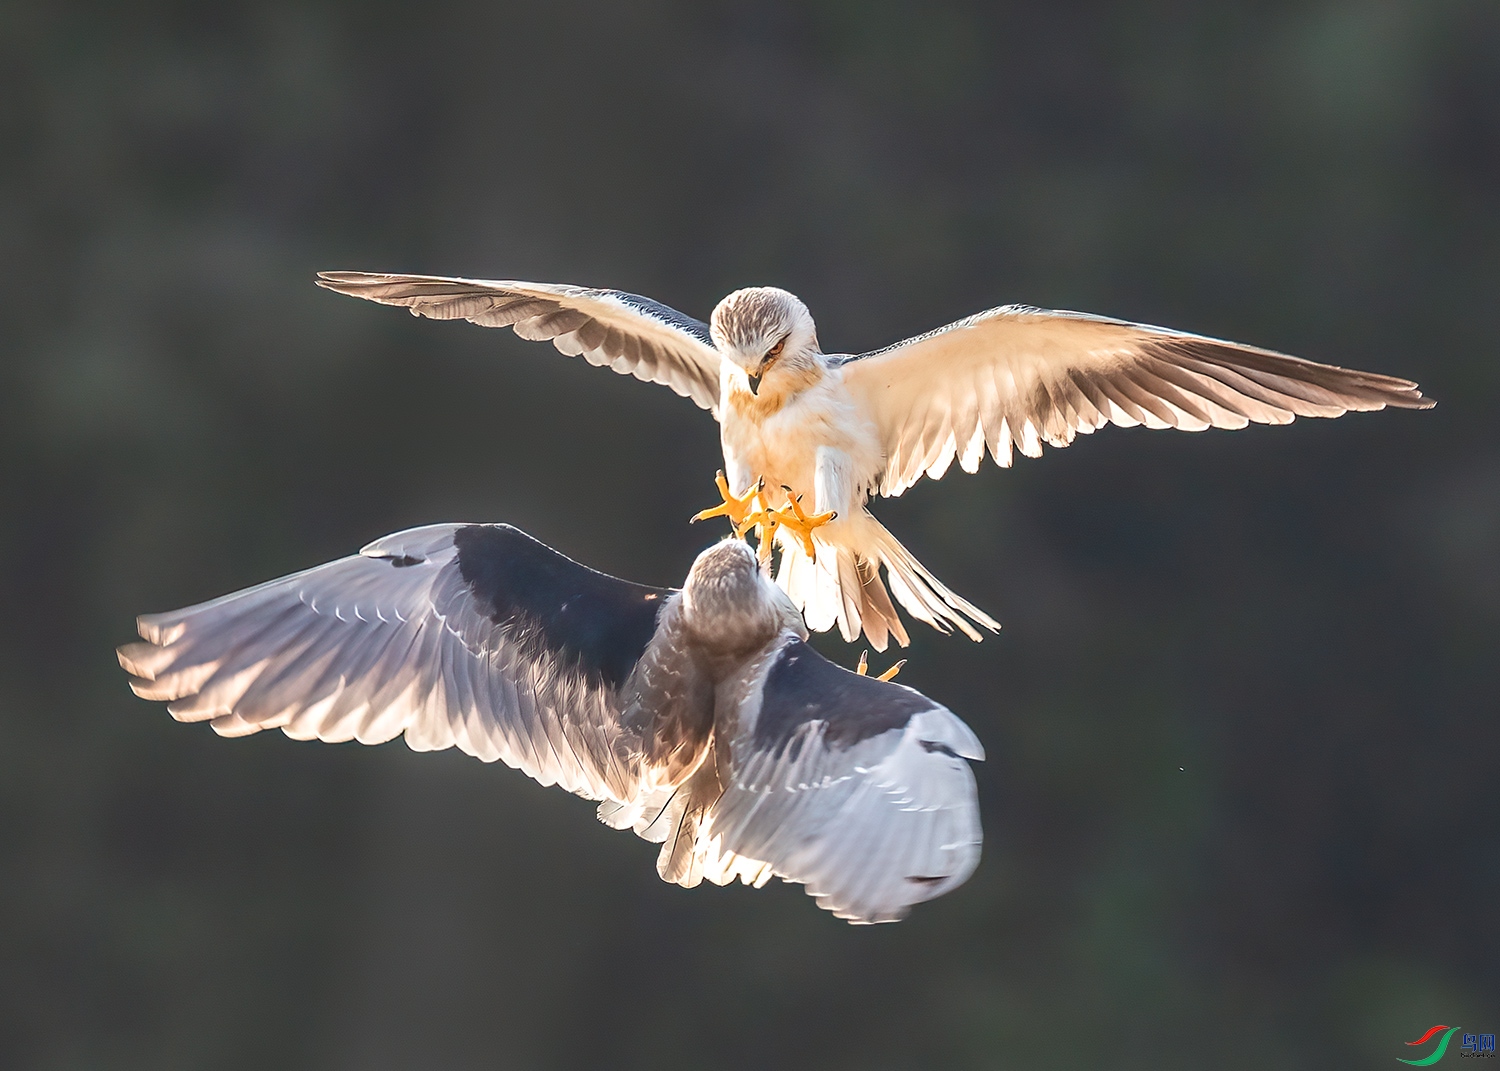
<point>761,327</point>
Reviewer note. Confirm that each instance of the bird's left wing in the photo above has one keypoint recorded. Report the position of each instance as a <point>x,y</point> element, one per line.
<point>628,333</point>
<point>475,636</point>
<point>853,786</point>
<point>1020,377</point>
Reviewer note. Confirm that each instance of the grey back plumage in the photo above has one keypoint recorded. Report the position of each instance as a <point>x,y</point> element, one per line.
<point>854,786</point>
<point>745,761</point>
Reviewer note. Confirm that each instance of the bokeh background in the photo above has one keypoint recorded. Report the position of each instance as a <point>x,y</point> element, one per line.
<point>1241,795</point>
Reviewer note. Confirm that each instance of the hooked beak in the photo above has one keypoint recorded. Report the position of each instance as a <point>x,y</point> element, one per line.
<point>766,362</point>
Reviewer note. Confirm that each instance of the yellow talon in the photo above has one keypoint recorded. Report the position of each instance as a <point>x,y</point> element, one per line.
<point>750,510</point>
<point>891,673</point>
<point>740,509</point>
<point>864,667</point>
<point>800,524</point>
<point>765,523</point>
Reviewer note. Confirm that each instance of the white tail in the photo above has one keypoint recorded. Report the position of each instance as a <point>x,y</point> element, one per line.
<point>843,586</point>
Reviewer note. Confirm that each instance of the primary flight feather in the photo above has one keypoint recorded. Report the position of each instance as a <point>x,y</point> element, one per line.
<point>835,429</point>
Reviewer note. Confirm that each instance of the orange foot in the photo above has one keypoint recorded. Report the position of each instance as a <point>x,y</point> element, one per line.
<point>794,520</point>
<point>765,522</point>
<point>864,667</point>
<point>740,509</point>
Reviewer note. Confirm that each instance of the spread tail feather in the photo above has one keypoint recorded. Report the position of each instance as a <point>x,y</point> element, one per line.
<point>680,819</point>
<point>843,586</point>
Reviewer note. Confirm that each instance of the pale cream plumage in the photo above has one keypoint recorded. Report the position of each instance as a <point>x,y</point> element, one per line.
<point>837,429</point>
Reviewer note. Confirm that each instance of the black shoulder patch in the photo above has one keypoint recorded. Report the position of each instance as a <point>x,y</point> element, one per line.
<point>585,617</point>
<point>681,321</point>
<point>803,686</point>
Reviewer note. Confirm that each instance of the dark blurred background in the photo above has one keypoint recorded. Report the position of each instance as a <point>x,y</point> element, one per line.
<point>1240,804</point>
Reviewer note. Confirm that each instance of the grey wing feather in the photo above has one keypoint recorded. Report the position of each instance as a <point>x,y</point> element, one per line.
<point>628,333</point>
<point>855,787</point>
<point>1017,377</point>
<point>442,633</point>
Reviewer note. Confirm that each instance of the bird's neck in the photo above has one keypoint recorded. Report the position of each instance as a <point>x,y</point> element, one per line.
<point>776,390</point>
<point>727,631</point>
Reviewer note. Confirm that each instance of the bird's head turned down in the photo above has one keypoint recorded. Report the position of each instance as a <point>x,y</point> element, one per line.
<point>769,335</point>
<point>731,605</point>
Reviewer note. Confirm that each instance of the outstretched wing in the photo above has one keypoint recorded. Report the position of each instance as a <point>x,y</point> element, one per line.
<point>1020,377</point>
<point>628,333</point>
<point>475,636</point>
<point>853,786</point>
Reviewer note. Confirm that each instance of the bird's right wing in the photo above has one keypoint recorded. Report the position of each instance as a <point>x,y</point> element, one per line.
<point>475,636</point>
<point>856,787</point>
<point>609,328</point>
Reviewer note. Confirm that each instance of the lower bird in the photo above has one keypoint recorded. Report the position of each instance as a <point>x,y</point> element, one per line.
<point>700,718</point>
<point>801,428</point>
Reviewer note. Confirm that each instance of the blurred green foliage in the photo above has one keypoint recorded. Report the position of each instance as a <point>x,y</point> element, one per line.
<point>1240,801</point>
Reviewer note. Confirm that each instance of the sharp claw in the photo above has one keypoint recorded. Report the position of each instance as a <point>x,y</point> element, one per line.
<point>863,669</point>
<point>890,673</point>
<point>794,518</point>
<point>737,508</point>
<point>767,539</point>
<point>765,522</point>
<point>813,521</point>
<point>750,511</point>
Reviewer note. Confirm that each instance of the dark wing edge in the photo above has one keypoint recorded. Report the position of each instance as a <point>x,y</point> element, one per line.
<point>855,787</point>
<point>474,636</point>
<point>628,333</point>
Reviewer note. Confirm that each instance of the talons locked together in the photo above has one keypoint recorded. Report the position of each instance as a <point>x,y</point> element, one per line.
<point>751,510</point>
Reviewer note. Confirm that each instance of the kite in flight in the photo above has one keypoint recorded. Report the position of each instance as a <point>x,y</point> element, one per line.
<point>832,430</point>
<point>700,718</point>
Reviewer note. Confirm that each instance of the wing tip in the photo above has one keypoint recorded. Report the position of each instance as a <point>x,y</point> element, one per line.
<point>161,629</point>
<point>140,687</point>
<point>131,658</point>
<point>349,282</point>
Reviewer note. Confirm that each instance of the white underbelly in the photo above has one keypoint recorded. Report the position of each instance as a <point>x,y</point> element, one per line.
<point>783,448</point>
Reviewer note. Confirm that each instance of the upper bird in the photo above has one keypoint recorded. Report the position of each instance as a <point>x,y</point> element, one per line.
<point>797,422</point>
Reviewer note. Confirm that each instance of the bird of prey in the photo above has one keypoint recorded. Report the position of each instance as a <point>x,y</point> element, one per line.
<point>700,718</point>
<point>797,423</point>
